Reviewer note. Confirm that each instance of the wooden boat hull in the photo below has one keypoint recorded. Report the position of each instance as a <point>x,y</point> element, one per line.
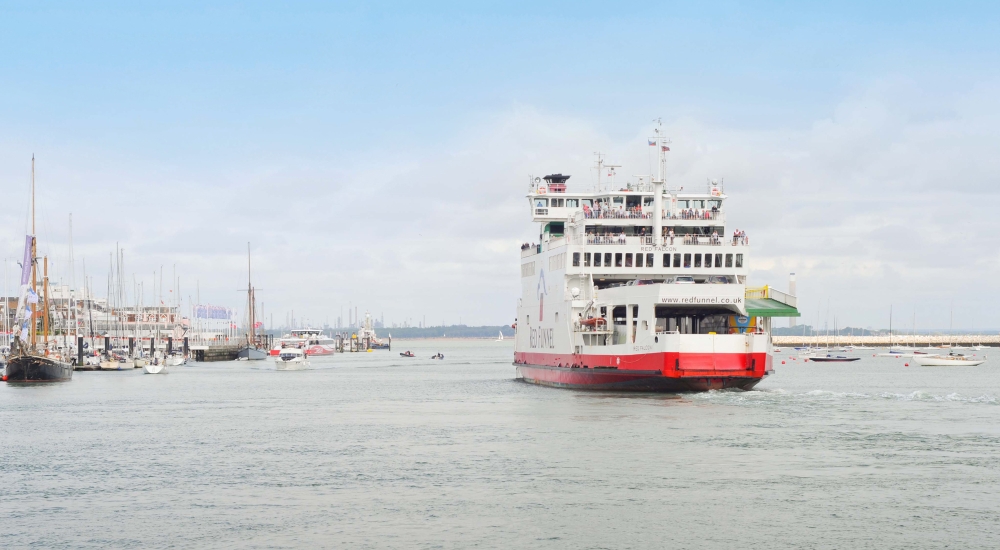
<point>31,368</point>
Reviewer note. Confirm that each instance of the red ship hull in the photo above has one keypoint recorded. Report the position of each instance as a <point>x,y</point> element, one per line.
<point>650,372</point>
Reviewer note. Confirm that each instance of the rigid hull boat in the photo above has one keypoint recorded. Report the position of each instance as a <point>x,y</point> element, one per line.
<point>638,289</point>
<point>291,359</point>
<point>37,368</point>
<point>948,360</point>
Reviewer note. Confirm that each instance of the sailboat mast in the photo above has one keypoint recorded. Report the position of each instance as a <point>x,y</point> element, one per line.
<point>45,303</point>
<point>252,329</point>
<point>34,253</point>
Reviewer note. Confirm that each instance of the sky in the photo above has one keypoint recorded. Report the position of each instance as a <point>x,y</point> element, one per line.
<point>377,154</point>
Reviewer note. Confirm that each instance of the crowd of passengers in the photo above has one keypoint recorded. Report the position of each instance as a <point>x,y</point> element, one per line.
<point>635,212</point>
<point>693,214</point>
<point>599,212</point>
<point>526,246</point>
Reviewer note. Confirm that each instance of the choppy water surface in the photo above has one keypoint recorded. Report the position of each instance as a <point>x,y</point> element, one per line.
<point>375,450</point>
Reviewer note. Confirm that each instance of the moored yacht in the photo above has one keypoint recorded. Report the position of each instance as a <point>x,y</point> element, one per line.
<point>637,287</point>
<point>32,359</point>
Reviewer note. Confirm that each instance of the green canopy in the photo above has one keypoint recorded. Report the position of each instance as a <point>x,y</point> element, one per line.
<point>767,307</point>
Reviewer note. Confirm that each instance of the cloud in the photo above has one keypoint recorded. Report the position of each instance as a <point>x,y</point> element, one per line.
<point>888,198</point>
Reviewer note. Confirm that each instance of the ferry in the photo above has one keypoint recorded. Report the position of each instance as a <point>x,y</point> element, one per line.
<point>311,340</point>
<point>639,288</point>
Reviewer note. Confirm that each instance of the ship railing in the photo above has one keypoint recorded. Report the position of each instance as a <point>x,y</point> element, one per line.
<point>766,292</point>
<point>695,240</point>
<point>686,240</point>
<point>595,329</point>
<point>693,215</point>
<point>613,214</point>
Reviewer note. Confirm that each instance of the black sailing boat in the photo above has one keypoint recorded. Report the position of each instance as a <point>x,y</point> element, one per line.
<point>26,362</point>
<point>253,349</point>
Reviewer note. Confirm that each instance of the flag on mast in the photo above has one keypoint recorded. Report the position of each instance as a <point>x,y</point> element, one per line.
<point>652,143</point>
<point>665,148</point>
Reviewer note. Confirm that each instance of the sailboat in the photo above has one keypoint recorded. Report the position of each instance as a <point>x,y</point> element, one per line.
<point>254,348</point>
<point>28,363</point>
<point>500,338</point>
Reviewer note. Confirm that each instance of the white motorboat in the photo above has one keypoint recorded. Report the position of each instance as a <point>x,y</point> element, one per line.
<point>156,366</point>
<point>948,360</point>
<point>140,362</point>
<point>174,360</point>
<point>291,359</point>
<point>115,364</point>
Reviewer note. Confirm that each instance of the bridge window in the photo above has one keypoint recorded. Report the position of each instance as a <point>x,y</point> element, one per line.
<point>683,204</point>
<point>588,202</point>
<point>607,259</point>
<point>618,259</point>
<point>687,260</point>
<point>666,260</point>
<point>677,260</point>
<point>739,260</point>
<point>718,260</point>
<point>576,259</point>
<point>697,260</point>
<point>729,260</point>
<point>586,259</point>
<point>572,203</point>
<point>628,260</point>
<point>541,203</point>
<point>649,260</point>
<point>618,200</point>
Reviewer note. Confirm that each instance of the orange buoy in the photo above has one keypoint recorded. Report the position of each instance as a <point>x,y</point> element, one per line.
<point>5,378</point>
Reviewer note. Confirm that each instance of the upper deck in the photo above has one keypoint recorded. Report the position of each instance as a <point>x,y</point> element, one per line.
<point>633,204</point>
<point>632,233</point>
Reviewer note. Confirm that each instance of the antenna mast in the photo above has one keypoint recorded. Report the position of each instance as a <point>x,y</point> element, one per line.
<point>600,168</point>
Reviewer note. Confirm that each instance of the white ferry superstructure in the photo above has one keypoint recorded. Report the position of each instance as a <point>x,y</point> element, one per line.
<point>311,340</point>
<point>640,289</point>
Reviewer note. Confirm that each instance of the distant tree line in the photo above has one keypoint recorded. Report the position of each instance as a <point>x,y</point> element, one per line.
<point>453,331</point>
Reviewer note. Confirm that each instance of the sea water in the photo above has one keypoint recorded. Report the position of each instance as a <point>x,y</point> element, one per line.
<point>374,450</point>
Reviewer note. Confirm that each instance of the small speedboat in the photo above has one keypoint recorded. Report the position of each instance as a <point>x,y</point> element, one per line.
<point>948,361</point>
<point>834,359</point>
<point>156,366</point>
<point>438,356</point>
<point>291,359</point>
<point>407,354</point>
